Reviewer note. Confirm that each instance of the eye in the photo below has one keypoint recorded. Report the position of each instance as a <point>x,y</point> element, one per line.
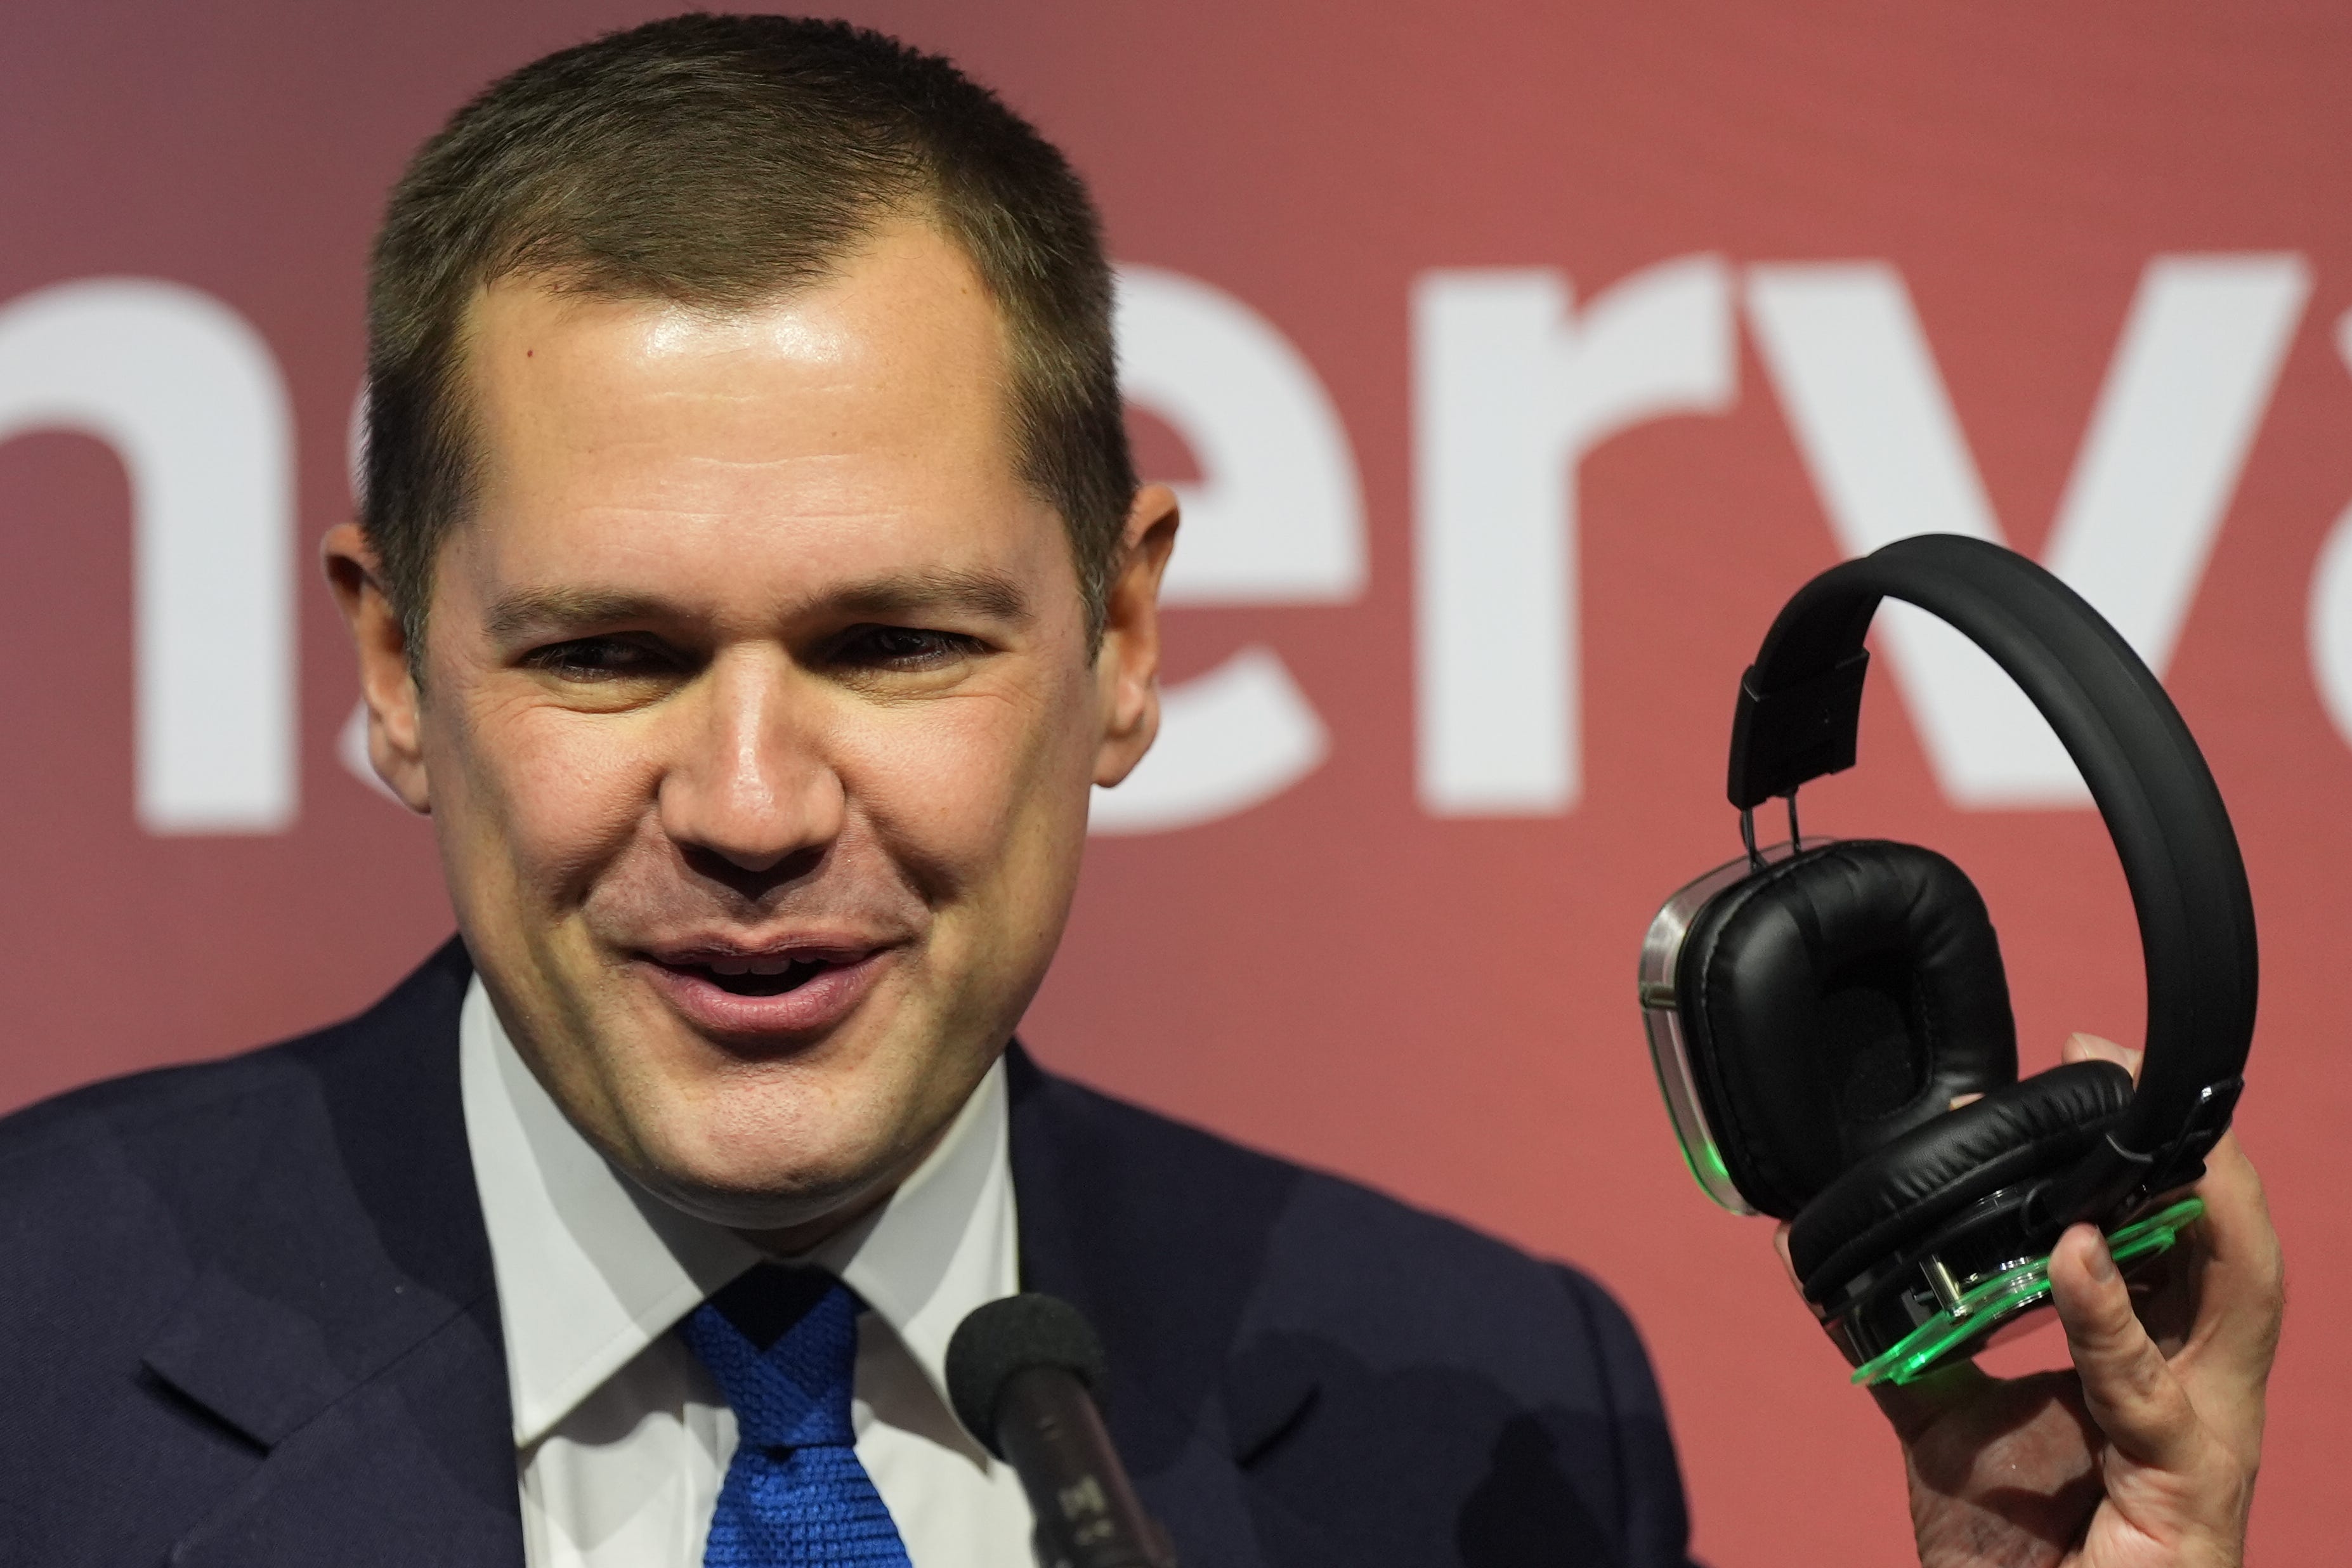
<point>905,647</point>
<point>603,659</point>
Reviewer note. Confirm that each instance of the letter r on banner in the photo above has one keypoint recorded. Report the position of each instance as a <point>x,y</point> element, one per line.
<point>1511,389</point>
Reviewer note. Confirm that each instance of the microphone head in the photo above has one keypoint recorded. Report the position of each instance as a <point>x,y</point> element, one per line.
<point>1011,1336</point>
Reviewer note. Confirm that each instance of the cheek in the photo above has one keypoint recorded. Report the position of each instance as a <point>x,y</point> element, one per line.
<point>981,791</point>
<point>552,794</point>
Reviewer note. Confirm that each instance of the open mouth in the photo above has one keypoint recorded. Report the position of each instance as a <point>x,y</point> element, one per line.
<point>758,976</point>
<point>778,997</point>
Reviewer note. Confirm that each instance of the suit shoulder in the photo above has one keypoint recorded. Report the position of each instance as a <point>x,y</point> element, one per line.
<point>1138,1153</point>
<point>1396,1384</point>
<point>1330,1247</point>
<point>196,1120</point>
<point>160,1103</point>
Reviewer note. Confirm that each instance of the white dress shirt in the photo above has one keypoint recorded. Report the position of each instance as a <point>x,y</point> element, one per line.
<point>621,1438</point>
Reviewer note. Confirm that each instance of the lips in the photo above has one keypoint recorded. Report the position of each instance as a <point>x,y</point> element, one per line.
<point>774,993</point>
<point>760,977</point>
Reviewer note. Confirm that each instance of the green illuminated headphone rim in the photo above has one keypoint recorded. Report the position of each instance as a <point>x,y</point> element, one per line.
<point>1992,1301</point>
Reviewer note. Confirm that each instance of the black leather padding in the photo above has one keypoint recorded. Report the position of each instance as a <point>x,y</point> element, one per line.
<point>1893,1199</point>
<point>2171,832</point>
<point>1832,1003</point>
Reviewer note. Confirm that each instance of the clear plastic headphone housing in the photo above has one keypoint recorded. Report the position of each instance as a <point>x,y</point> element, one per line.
<point>1662,952</point>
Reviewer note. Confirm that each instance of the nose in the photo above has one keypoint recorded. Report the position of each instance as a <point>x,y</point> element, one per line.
<point>751,783</point>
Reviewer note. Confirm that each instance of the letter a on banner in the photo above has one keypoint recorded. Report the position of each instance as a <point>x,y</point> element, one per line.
<point>2330,611</point>
<point>2190,379</point>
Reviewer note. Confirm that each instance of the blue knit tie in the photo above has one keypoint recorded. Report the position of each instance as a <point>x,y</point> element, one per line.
<point>783,1346</point>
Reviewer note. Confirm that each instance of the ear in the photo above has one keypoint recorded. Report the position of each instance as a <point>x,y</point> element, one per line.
<point>1127,666</point>
<point>393,702</point>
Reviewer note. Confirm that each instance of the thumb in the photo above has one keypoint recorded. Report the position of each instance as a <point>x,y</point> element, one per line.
<point>2127,1386</point>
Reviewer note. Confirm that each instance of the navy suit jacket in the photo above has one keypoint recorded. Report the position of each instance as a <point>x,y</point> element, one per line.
<point>246,1318</point>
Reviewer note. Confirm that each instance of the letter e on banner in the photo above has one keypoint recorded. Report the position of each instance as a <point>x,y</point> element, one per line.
<point>1277,518</point>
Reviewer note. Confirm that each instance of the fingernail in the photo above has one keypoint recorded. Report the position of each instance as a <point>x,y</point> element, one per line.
<point>2102,1262</point>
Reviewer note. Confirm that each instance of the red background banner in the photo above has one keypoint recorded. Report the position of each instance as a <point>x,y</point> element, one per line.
<point>1677,303</point>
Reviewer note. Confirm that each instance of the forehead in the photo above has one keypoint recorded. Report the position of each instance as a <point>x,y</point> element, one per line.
<point>857,410</point>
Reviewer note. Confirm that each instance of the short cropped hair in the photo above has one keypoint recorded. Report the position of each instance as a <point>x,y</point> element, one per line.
<point>720,162</point>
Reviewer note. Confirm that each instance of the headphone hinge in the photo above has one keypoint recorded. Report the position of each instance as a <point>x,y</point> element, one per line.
<point>1781,739</point>
<point>2182,1161</point>
<point>2094,1190</point>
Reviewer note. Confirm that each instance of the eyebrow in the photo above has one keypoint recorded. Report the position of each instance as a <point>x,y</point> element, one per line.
<point>540,612</point>
<point>992,593</point>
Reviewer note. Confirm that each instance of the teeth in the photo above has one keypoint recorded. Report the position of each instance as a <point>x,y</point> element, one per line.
<point>762,965</point>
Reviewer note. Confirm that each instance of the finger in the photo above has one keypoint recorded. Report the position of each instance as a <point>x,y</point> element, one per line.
<point>2082,1047</point>
<point>2128,1387</point>
<point>2241,1279</point>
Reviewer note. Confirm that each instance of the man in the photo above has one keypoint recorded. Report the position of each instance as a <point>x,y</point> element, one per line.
<point>752,585</point>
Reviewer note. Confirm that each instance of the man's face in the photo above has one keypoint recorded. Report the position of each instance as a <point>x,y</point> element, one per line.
<point>758,719</point>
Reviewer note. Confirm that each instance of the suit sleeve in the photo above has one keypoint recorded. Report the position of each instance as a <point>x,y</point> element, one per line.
<point>1653,1517</point>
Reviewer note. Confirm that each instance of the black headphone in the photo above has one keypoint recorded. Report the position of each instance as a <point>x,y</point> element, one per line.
<point>1813,1010</point>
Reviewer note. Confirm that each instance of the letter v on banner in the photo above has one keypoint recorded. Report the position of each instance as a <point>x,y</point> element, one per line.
<point>2185,392</point>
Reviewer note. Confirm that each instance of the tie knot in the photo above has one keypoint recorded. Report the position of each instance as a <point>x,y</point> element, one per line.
<point>781,1344</point>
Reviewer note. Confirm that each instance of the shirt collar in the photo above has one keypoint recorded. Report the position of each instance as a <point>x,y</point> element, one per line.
<point>592,1268</point>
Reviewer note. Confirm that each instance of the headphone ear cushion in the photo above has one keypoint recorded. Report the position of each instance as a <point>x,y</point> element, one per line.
<point>1834,1001</point>
<point>1893,1198</point>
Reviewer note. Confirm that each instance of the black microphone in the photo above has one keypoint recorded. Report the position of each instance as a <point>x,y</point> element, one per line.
<point>1019,1373</point>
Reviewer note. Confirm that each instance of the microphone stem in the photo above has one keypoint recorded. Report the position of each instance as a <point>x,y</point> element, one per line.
<point>1088,1513</point>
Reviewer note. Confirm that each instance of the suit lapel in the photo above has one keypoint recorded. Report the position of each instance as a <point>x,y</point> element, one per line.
<point>1157,1234</point>
<point>344,1320</point>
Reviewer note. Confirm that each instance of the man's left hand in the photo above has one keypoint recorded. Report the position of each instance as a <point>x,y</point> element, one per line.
<point>2144,1455</point>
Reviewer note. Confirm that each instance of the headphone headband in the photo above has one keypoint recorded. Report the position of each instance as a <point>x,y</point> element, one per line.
<point>1800,708</point>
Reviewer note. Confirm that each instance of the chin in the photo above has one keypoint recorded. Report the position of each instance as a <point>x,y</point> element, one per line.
<point>761,1195</point>
<point>776,1168</point>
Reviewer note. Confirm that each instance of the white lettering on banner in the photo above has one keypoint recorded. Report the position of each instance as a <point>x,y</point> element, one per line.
<point>1242,733</point>
<point>1278,517</point>
<point>2330,623</point>
<point>189,398</point>
<point>1511,389</point>
<point>2186,390</point>
<point>352,750</point>
<point>1513,386</point>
